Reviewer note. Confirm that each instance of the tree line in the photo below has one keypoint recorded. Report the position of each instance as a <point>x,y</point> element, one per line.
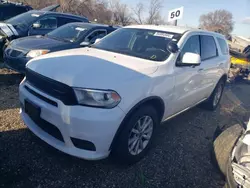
<point>116,12</point>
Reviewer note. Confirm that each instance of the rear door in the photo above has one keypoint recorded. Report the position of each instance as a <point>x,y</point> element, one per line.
<point>47,24</point>
<point>210,62</point>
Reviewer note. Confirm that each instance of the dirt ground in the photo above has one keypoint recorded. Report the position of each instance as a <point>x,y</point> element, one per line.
<point>180,158</point>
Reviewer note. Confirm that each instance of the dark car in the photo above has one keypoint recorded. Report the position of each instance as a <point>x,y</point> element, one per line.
<point>10,9</point>
<point>73,35</point>
<point>34,23</point>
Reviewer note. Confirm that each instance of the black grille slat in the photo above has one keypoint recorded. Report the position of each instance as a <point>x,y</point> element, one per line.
<point>51,87</point>
<point>14,53</point>
<point>41,97</point>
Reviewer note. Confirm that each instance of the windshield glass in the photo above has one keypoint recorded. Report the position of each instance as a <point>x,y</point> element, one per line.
<point>69,33</point>
<point>142,43</point>
<point>24,20</point>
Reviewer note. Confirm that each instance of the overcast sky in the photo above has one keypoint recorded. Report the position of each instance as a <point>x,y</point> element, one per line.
<point>194,8</point>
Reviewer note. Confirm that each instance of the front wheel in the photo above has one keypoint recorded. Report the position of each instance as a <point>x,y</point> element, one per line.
<point>136,137</point>
<point>214,100</point>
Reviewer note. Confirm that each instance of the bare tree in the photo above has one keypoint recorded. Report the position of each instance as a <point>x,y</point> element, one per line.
<point>218,21</point>
<point>121,13</point>
<point>138,13</point>
<point>154,16</point>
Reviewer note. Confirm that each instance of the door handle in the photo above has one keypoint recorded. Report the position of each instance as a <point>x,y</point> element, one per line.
<point>221,64</point>
<point>200,70</point>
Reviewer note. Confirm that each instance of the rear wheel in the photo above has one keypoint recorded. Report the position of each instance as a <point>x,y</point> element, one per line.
<point>137,135</point>
<point>214,100</point>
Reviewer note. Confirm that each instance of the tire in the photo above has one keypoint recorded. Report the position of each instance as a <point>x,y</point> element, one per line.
<point>223,146</point>
<point>210,103</point>
<point>121,151</point>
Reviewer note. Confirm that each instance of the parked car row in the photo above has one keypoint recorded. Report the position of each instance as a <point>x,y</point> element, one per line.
<point>69,36</point>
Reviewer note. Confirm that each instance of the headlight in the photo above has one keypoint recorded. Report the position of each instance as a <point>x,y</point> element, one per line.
<point>36,53</point>
<point>97,98</point>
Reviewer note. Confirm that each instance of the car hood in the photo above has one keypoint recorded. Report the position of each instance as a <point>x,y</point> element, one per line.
<point>92,68</point>
<point>37,42</point>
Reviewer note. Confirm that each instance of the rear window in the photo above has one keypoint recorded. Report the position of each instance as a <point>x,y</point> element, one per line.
<point>223,46</point>
<point>208,47</point>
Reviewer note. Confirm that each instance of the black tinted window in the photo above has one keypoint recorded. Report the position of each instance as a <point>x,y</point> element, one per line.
<point>192,45</point>
<point>63,21</point>
<point>95,35</point>
<point>208,47</point>
<point>9,12</point>
<point>48,23</point>
<point>223,46</point>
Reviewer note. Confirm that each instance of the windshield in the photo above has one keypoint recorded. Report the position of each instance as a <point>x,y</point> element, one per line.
<point>69,33</point>
<point>142,43</point>
<point>24,20</point>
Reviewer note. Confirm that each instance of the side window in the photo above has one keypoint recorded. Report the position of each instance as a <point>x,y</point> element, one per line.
<point>95,35</point>
<point>192,45</point>
<point>48,23</point>
<point>208,47</point>
<point>223,46</point>
<point>8,12</point>
<point>63,21</point>
<point>20,10</point>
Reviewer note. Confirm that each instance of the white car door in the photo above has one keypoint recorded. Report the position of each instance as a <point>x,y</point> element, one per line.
<point>188,79</point>
<point>210,64</point>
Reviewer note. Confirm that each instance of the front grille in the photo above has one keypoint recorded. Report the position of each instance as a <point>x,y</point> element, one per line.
<point>41,97</point>
<point>14,53</point>
<point>51,87</point>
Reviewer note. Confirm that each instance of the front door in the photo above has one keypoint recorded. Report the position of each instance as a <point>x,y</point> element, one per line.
<point>44,26</point>
<point>188,79</point>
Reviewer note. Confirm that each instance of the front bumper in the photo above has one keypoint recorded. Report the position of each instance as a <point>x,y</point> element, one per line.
<point>17,64</point>
<point>94,125</point>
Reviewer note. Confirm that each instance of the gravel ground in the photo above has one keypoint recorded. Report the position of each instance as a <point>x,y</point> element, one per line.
<point>180,158</point>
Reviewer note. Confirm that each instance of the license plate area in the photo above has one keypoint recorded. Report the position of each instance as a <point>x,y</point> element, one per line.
<point>32,110</point>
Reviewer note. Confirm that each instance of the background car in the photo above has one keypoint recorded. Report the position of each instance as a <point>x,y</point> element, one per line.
<point>9,9</point>
<point>73,35</point>
<point>34,23</point>
<point>231,154</point>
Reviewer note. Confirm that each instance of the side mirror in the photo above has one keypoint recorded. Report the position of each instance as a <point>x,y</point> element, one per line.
<point>85,44</point>
<point>190,59</point>
<point>172,47</point>
<point>97,40</point>
<point>36,25</point>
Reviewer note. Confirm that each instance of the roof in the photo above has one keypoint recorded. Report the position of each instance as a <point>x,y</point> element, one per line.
<point>66,14</point>
<point>59,13</point>
<point>171,28</point>
<point>91,25</point>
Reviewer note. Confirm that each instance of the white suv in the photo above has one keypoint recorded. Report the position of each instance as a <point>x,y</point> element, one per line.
<point>112,96</point>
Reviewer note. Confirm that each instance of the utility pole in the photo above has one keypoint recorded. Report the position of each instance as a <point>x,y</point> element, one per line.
<point>175,22</point>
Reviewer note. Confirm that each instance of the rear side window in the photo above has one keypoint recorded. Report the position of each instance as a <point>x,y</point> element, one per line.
<point>63,21</point>
<point>208,47</point>
<point>223,46</point>
<point>192,45</point>
<point>10,11</point>
<point>48,23</point>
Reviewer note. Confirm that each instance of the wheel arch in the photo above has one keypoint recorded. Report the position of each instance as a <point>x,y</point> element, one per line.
<point>154,101</point>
